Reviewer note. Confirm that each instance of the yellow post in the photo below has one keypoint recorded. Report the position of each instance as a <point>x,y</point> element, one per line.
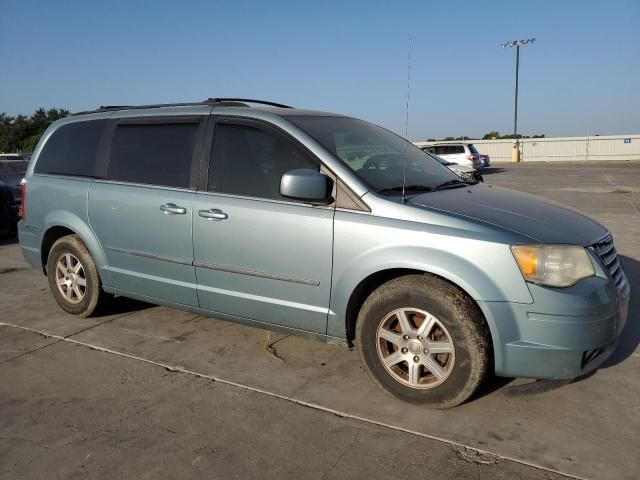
<point>515,153</point>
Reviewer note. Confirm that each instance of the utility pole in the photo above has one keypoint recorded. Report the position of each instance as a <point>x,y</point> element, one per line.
<point>515,156</point>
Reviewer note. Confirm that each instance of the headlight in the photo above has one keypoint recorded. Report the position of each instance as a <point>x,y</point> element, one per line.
<point>553,265</point>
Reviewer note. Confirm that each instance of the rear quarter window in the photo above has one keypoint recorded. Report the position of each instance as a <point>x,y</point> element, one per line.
<point>72,149</point>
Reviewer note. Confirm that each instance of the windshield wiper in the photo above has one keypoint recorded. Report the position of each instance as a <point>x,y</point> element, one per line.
<point>408,188</point>
<point>454,184</point>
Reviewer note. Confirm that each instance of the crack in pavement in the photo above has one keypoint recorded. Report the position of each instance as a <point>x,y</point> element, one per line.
<point>26,440</point>
<point>57,338</point>
<point>28,352</point>
<point>12,269</point>
<point>179,369</point>
<point>345,451</point>
<point>614,185</point>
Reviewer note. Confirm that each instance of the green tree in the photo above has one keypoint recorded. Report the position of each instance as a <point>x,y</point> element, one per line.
<point>491,135</point>
<point>21,133</point>
<point>495,135</point>
<point>29,143</point>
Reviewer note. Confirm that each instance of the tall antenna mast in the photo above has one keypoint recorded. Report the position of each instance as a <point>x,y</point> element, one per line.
<point>406,127</point>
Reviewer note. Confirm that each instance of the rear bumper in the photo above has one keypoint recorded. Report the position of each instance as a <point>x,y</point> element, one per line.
<point>564,334</point>
<point>8,220</point>
<point>483,162</point>
<point>30,240</point>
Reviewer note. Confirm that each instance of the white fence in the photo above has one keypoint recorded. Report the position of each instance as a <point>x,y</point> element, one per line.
<point>561,149</point>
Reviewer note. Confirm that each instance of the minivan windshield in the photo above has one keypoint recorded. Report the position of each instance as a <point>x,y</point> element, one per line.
<point>376,155</point>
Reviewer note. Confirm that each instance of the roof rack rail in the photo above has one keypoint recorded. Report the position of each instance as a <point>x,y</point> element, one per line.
<point>208,101</point>
<point>109,108</point>
<point>248,100</point>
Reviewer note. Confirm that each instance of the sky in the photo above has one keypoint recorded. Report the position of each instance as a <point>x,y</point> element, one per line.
<point>582,76</point>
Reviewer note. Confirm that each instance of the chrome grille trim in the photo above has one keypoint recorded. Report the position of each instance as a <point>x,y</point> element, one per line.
<point>607,253</point>
<point>615,267</point>
<point>606,250</point>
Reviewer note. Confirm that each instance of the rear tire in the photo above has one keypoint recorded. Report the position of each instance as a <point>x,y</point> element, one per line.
<point>424,341</point>
<point>73,277</point>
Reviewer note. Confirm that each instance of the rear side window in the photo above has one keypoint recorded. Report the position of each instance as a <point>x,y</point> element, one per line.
<point>12,168</point>
<point>155,154</point>
<point>449,149</point>
<point>472,148</point>
<point>72,149</point>
<point>250,161</point>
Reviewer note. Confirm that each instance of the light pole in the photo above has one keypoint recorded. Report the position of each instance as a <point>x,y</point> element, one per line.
<point>516,43</point>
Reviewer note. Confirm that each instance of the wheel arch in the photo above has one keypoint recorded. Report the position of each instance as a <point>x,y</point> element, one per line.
<point>377,279</point>
<point>362,292</point>
<point>51,236</point>
<point>60,224</point>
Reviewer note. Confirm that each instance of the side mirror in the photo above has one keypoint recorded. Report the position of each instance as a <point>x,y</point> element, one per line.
<point>307,185</point>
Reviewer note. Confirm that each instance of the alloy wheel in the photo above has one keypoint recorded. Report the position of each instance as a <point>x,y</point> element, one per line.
<point>415,348</point>
<point>71,278</point>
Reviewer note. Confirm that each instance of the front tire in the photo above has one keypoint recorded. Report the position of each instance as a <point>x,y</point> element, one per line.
<point>424,341</point>
<point>73,277</point>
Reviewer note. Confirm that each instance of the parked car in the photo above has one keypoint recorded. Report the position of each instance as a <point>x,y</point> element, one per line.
<point>462,153</point>
<point>464,172</point>
<point>12,170</point>
<point>8,211</point>
<point>307,222</point>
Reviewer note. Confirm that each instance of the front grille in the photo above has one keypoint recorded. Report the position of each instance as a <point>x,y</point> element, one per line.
<point>607,253</point>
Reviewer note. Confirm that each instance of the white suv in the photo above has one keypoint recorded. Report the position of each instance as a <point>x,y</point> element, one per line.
<point>463,171</point>
<point>460,153</point>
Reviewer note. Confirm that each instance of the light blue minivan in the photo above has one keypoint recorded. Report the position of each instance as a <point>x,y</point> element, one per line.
<point>322,225</point>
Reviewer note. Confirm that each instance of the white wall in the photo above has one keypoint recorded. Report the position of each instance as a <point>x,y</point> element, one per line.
<point>610,147</point>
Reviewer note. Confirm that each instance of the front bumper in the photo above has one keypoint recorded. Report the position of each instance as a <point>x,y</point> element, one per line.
<point>564,333</point>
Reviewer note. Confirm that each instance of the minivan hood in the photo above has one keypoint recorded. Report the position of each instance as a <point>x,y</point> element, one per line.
<point>540,219</point>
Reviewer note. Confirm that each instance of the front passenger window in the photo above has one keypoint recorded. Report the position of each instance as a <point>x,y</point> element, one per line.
<point>250,161</point>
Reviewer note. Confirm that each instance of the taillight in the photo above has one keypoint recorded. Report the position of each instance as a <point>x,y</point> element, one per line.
<point>23,198</point>
<point>473,158</point>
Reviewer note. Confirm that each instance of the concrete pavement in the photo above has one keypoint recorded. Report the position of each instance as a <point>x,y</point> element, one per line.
<point>149,389</point>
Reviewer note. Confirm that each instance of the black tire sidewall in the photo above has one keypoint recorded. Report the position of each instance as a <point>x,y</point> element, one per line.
<point>439,299</point>
<point>71,244</point>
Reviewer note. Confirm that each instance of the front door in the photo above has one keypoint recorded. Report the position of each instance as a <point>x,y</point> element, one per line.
<point>257,254</point>
<point>142,212</point>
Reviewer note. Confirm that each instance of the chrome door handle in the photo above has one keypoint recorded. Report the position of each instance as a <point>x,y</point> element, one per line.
<point>172,209</point>
<point>213,214</point>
